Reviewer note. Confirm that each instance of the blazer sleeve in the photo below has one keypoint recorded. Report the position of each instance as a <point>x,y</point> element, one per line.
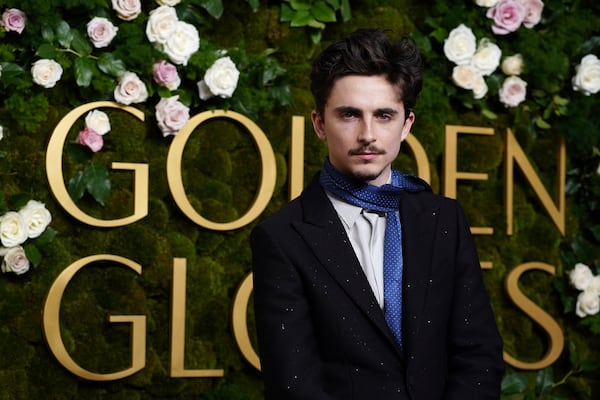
<point>290,362</point>
<point>475,364</point>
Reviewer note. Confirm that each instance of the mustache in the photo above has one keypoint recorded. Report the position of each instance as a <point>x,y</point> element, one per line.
<point>366,149</point>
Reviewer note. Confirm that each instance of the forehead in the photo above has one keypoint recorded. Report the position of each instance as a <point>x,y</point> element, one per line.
<point>364,92</point>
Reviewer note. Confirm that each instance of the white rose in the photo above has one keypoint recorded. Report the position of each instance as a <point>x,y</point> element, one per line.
<point>14,260</point>
<point>182,43</point>
<point>587,78</point>
<point>130,89</point>
<point>480,87</point>
<point>594,285</point>
<point>1,132</point>
<point>486,3</point>
<point>487,57</point>
<point>46,72</point>
<point>513,91</point>
<point>36,217</point>
<point>13,229</point>
<point>464,76</point>
<point>171,115</point>
<point>597,169</point>
<point>221,78</point>
<point>98,121</point>
<point>168,2</point>
<point>161,23</point>
<point>101,32</point>
<point>513,65</point>
<point>460,45</point>
<point>581,276</point>
<point>588,303</point>
<point>127,10</point>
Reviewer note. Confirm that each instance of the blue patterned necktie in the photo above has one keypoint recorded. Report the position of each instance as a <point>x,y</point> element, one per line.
<point>386,199</point>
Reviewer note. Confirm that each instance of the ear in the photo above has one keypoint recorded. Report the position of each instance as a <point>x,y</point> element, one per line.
<point>318,125</point>
<point>408,122</point>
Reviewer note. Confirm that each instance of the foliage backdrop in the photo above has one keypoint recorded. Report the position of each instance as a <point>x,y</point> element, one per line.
<point>221,168</point>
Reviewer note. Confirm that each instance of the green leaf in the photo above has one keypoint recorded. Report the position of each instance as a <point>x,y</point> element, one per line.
<point>302,18</point>
<point>540,123</point>
<point>97,182</point>
<point>345,10</point>
<point>287,13</point>
<point>513,383</point>
<point>282,95</point>
<point>76,186</point>
<point>322,12</point>
<point>84,71</point>
<point>64,34</point>
<point>301,5</point>
<point>488,114</point>
<point>77,152</point>
<point>47,33</point>
<point>110,65</point>
<point>588,365</point>
<point>80,44</point>
<point>254,4</point>
<point>33,254</point>
<point>46,50</point>
<point>46,237</point>
<point>213,7</point>
<point>544,380</point>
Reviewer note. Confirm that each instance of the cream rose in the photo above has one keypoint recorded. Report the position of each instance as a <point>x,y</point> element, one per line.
<point>487,57</point>
<point>594,285</point>
<point>464,76</point>
<point>486,3</point>
<point>13,229</point>
<point>161,23</point>
<point>220,79</point>
<point>513,65</point>
<point>36,217</point>
<point>131,89</point>
<point>127,10</point>
<point>168,2</point>
<point>98,121</point>
<point>46,72</point>
<point>588,303</point>
<point>460,45</point>
<point>101,32</point>
<point>480,87</point>
<point>513,91</point>
<point>580,276</point>
<point>182,43</point>
<point>587,77</point>
<point>14,260</point>
<point>171,115</point>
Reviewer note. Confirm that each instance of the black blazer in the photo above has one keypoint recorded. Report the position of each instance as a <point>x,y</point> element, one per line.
<point>322,334</point>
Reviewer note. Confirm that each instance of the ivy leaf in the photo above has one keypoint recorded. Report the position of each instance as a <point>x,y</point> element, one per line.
<point>46,50</point>
<point>213,7</point>
<point>33,254</point>
<point>84,71</point>
<point>97,182</point>
<point>110,65</point>
<point>64,34</point>
<point>514,383</point>
<point>322,12</point>
<point>76,186</point>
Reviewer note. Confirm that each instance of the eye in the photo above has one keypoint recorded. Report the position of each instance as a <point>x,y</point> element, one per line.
<point>348,114</point>
<point>384,116</point>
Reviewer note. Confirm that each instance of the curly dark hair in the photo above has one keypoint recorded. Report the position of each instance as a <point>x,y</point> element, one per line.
<point>368,52</point>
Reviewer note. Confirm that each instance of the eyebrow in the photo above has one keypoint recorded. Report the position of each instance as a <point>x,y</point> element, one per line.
<point>344,109</point>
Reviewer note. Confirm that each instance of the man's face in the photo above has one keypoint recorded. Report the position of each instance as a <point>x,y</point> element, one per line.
<point>363,125</point>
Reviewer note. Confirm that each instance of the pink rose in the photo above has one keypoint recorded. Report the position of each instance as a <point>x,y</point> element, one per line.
<point>165,74</point>
<point>533,12</point>
<point>101,32</point>
<point>90,138</point>
<point>127,10</point>
<point>513,91</point>
<point>13,20</point>
<point>507,16</point>
<point>14,260</point>
<point>171,115</point>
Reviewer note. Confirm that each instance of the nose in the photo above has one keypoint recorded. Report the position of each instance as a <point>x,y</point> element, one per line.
<point>366,132</point>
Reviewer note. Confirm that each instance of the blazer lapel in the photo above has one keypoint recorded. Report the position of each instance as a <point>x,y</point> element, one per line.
<point>323,231</point>
<point>418,221</point>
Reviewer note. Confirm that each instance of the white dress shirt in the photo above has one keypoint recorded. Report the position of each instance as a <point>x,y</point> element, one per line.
<point>366,231</point>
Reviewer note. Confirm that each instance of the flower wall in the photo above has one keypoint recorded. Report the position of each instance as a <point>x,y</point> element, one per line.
<point>527,65</point>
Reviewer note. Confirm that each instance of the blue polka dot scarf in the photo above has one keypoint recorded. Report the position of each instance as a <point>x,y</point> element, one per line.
<point>386,199</point>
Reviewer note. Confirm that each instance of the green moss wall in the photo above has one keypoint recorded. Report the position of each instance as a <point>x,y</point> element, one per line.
<point>221,173</point>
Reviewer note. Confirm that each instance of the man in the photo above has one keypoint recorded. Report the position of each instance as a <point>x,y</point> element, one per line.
<point>368,286</point>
